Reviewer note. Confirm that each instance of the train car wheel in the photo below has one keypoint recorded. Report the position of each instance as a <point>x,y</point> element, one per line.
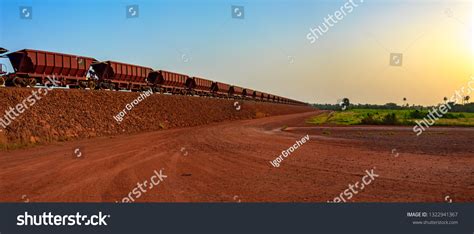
<point>32,82</point>
<point>82,84</point>
<point>17,82</point>
<point>92,85</point>
<point>102,85</point>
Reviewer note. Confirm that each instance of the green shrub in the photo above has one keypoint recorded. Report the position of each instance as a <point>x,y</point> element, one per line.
<point>416,114</point>
<point>453,116</point>
<point>390,119</point>
<point>369,119</point>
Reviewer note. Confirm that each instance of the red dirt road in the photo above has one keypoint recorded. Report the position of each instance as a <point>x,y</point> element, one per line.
<point>229,162</point>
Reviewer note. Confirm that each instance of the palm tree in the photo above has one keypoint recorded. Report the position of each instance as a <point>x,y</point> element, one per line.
<point>466,99</point>
<point>445,99</point>
<point>405,101</point>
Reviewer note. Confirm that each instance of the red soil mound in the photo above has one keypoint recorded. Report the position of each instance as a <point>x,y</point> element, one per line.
<point>75,114</point>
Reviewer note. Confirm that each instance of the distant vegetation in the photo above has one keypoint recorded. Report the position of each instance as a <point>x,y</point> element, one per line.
<point>388,117</point>
<point>393,106</point>
<point>345,113</point>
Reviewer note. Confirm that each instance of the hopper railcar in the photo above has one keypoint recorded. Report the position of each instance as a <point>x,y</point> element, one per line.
<point>35,67</point>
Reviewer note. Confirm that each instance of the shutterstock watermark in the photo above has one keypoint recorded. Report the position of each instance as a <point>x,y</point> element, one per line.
<point>48,219</point>
<point>237,106</point>
<point>438,112</point>
<point>131,11</point>
<point>331,20</point>
<point>13,112</point>
<point>353,189</point>
<point>130,106</point>
<point>142,188</point>
<point>26,12</point>
<point>289,151</point>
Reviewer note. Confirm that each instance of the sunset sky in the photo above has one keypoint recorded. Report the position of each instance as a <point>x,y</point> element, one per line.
<point>268,49</point>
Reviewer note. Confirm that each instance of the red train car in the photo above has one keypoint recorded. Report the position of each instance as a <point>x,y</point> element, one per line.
<point>236,91</point>
<point>276,99</point>
<point>117,75</point>
<point>171,82</point>
<point>271,98</point>
<point>220,89</point>
<point>248,93</point>
<point>266,97</point>
<point>35,66</point>
<point>202,86</point>
<point>258,95</point>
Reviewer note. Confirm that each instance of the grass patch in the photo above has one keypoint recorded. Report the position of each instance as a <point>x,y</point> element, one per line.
<point>340,118</point>
<point>388,117</point>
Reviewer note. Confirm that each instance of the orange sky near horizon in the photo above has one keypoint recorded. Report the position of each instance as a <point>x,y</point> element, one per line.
<point>437,45</point>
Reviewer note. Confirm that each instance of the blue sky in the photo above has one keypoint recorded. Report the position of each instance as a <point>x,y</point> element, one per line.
<point>200,38</point>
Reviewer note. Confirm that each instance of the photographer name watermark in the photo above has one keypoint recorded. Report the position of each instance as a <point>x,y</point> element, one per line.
<point>285,153</point>
<point>131,105</point>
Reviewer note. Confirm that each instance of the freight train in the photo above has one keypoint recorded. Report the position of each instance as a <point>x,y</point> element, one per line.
<point>35,67</point>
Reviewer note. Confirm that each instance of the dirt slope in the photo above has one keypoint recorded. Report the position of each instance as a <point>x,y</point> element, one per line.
<point>77,114</point>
